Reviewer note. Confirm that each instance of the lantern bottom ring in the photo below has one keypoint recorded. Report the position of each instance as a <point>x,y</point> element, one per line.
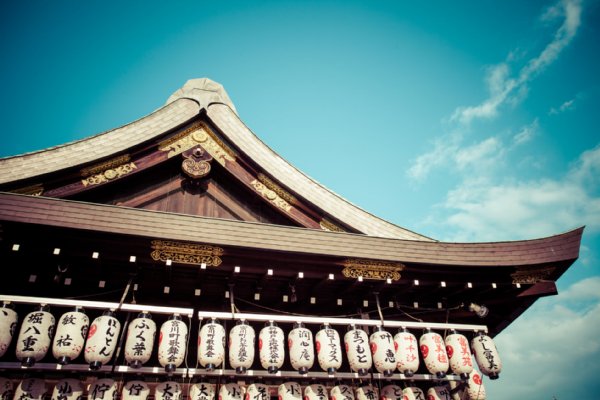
<point>331,370</point>
<point>493,375</point>
<point>272,370</point>
<point>95,365</point>
<point>303,370</point>
<point>64,360</point>
<point>135,364</point>
<point>28,362</point>
<point>240,370</point>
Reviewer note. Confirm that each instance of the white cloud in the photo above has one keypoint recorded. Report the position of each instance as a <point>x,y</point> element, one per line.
<point>553,349</point>
<point>526,133</point>
<point>566,106</point>
<point>503,87</point>
<point>480,210</point>
<point>484,152</point>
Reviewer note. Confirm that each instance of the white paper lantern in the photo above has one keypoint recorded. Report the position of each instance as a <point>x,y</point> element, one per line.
<point>71,331</point>
<point>271,348</point>
<point>35,336</point>
<point>6,389</point>
<point>31,389</point>
<point>382,348</point>
<point>329,349</point>
<point>459,354</point>
<point>475,389</point>
<point>241,347</point>
<point>172,343</point>
<point>202,391</point>
<point>407,352</point>
<point>289,391</point>
<point>67,389</point>
<point>102,340</point>
<point>315,392</point>
<point>413,393</point>
<point>342,392</point>
<point>103,389</point>
<point>135,390</point>
<point>257,391</point>
<point>8,326</point>
<point>302,349</point>
<point>211,345</point>
<point>231,391</point>
<point>391,392</point>
<point>169,390</point>
<point>486,355</point>
<point>140,340</point>
<point>367,392</point>
<point>357,350</point>
<point>456,390</point>
<point>439,393</point>
<point>434,354</point>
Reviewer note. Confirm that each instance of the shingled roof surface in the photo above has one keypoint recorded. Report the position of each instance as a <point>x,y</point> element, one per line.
<point>184,105</point>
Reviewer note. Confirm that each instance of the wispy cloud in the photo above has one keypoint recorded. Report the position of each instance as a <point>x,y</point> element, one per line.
<point>502,86</point>
<point>479,210</point>
<point>566,106</point>
<point>526,133</point>
<point>485,155</point>
<point>569,329</point>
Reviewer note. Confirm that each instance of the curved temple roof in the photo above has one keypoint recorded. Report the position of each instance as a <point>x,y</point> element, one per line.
<point>185,104</point>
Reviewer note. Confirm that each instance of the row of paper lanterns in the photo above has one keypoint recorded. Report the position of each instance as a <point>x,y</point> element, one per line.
<point>387,353</point>
<point>108,389</point>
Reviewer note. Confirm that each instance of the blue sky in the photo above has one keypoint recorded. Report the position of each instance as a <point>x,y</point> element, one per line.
<point>464,121</point>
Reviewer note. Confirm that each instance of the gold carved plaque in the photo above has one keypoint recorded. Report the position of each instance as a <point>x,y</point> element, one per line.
<point>186,253</point>
<point>198,133</point>
<point>371,269</point>
<point>265,180</point>
<point>525,275</point>
<point>33,190</point>
<point>327,225</point>
<point>271,195</point>
<point>109,174</point>
<point>106,165</point>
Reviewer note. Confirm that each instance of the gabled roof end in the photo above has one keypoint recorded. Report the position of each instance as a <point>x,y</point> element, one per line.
<point>204,91</point>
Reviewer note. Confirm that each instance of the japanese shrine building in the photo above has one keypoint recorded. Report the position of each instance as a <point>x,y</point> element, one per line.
<point>186,208</point>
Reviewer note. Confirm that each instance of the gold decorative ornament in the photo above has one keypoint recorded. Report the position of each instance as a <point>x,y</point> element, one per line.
<point>327,225</point>
<point>525,275</point>
<point>265,180</point>
<point>372,269</point>
<point>104,166</point>
<point>109,174</point>
<point>186,253</point>
<point>198,133</point>
<point>195,169</point>
<point>271,195</point>
<point>33,190</point>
